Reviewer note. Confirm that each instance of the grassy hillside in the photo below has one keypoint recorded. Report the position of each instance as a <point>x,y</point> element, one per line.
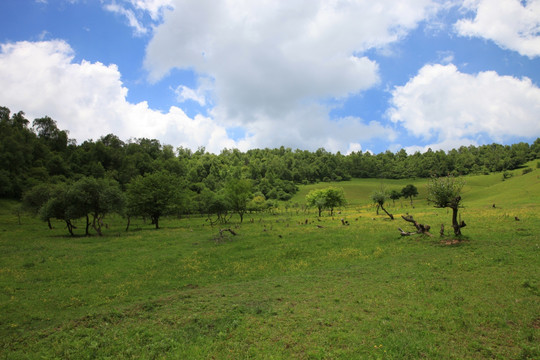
<point>282,288</point>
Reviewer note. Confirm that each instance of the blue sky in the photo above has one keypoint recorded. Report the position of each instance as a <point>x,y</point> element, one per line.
<point>343,75</point>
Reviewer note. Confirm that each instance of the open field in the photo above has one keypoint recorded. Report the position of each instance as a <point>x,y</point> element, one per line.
<point>282,288</point>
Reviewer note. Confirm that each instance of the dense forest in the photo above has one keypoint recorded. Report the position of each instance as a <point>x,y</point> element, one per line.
<point>40,153</point>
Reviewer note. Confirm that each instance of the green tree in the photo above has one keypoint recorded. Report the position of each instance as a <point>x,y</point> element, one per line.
<point>238,194</point>
<point>96,198</point>
<point>154,195</point>
<point>328,198</point>
<point>48,132</point>
<point>35,198</point>
<point>445,192</point>
<point>409,191</point>
<point>394,195</point>
<point>56,207</point>
<point>379,197</point>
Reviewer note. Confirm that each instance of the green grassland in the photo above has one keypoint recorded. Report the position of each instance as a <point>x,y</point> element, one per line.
<point>281,288</point>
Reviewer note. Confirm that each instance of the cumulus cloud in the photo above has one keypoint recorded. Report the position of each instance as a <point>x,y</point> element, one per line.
<point>512,24</point>
<point>89,99</point>
<point>450,108</point>
<point>273,61</point>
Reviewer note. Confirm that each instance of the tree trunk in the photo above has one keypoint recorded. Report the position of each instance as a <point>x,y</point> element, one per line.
<point>98,226</point>
<point>128,222</point>
<point>87,225</point>
<point>70,227</point>
<point>387,213</point>
<point>455,224</point>
<point>156,221</point>
<point>49,224</point>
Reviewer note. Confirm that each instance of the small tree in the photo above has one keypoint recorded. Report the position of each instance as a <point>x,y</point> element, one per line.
<point>328,198</point>
<point>409,191</point>
<point>35,198</point>
<point>334,197</point>
<point>445,192</point>
<point>379,197</point>
<point>56,207</point>
<point>394,195</point>
<point>94,197</point>
<point>316,198</point>
<point>238,194</point>
<point>154,195</point>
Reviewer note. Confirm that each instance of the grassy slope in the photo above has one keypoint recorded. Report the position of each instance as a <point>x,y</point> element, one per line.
<point>281,288</point>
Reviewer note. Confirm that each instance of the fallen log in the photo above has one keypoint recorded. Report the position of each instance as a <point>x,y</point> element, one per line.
<point>221,231</point>
<point>420,228</point>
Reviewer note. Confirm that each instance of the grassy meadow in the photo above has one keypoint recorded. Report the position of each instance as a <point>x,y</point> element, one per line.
<point>283,288</point>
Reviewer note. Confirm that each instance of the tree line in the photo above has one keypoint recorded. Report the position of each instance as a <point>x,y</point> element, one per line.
<point>40,154</point>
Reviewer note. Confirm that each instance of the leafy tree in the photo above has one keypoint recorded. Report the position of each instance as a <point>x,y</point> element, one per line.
<point>379,197</point>
<point>238,194</point>
<point>445,192</point>
<point>48,131</point>
<point>409,191</point>
<point>258,203</point>
<point>96,198</point>
<point>328,198</point>
<point>56,207</point>
<point>394,195</point>
<point>154,195</point>
<point>35,198</point>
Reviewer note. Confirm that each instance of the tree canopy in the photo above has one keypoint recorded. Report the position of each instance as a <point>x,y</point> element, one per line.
<point>446,192</point>
<point>154,195</point>
<point>409,191</point>
<point>328,198</point>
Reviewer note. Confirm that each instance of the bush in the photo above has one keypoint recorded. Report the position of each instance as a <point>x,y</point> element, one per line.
<point>526,170</point>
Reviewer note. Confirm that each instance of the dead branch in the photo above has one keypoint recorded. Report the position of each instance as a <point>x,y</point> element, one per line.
<point>221,231</point>
<point>420,228</point>
<point>406,233</point>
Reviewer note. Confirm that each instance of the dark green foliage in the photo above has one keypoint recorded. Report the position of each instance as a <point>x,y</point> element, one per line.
<point>409,191</point>
<point>394,195</point>
<point>43,153</point>
<point>96,198</point>
<point>155,195</point>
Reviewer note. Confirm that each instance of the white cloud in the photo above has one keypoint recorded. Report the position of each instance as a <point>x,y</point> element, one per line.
<point>273,61</point>
<point>89,99</point>
<point>452,108</point>
<point>134,11</point>
<point>512,24</point>
<point>154,8</point>
<point>137,26</point>
<point>184,93</point>
<point>199,95</point>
